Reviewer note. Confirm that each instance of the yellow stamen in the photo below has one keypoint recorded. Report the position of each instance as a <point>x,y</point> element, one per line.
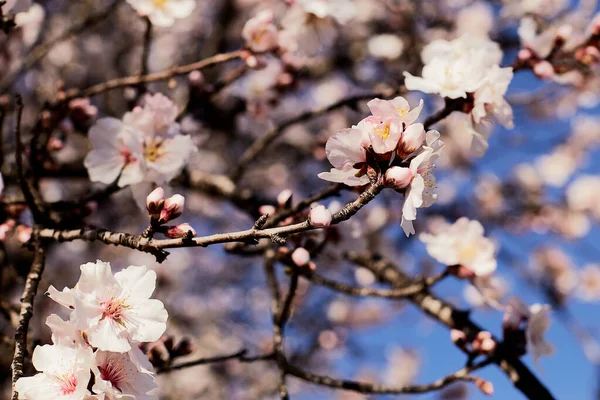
<point>159,3</point>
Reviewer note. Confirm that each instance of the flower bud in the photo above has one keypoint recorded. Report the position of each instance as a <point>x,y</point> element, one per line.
<point>525,54</point>
<point>266,209</point>
<point>319,216</point>
<point>173,208</point>
<point>398,177</point>
<point>544,70</point>
<point>155,201</point>
<point>300,256</point>
<point>412,138</point>
<point>458,337</point>
<point>284,199</point>
<point>486,387</point>
<point>24,233</point>
<point>180,231</point>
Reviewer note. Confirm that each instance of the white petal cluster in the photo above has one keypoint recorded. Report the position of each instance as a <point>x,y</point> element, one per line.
<point>463,243</point>
<point>390,134</point>
<point>110,315</point>
<point>145,147</point>
<point>163,13</point>
<point>468,68</point>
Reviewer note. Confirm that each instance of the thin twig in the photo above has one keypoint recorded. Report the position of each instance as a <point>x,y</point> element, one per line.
<point>239,355</point>
<point>154,77</point>
<point>264,141</point>
<point>31,286</point>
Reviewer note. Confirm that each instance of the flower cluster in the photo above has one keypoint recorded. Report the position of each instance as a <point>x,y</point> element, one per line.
<point>163,210</point>
<point>110,316</point>
<point>144,148</point>
<point>468,68</point>
<point>390,143</point>
<point>163,12</point>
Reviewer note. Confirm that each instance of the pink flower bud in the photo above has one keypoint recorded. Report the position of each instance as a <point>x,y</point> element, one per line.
<point>525,54</point>
<point>24,233</point>
<point>300,256</point>
<point>488,345</point>
<point>486,387</point>
<point>544,69</point>
<point>180,231</point>
<point>196,77</point>
<point>284,199</point>
<point>6,228</point>
<point>172,208</point>
<point>155,201</point>
<point>320,217</point>
<point>398,177</point>
<point>458,337</point>
<point>266,209</point>
<point>412,139</point>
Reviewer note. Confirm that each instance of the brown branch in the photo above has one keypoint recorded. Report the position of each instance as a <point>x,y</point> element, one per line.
<point>31,286</point>
<point>252,235</point>
<point>416,287</point>
<point>239,355</point>
<point>373,388</point>
<point>264,141</point>
<point>154,77</point>
<point>522,378</point>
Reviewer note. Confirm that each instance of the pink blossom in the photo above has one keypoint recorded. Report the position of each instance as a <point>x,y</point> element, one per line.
<point>259,32</point>
<point>319,216</point>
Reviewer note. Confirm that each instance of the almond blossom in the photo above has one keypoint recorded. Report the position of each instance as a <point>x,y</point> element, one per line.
<point>114,310</point>
<point>345,153</point>
<point>419,192</point>
<point>145,148</point>
<point>117,376</point>
<point>65,373</point>
<point>163,13</point>
<point>259,33</point>
<point>463,243</point>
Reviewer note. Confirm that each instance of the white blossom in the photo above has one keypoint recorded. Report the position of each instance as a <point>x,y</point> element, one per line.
<point>117,376</point>
<point>345,153</point>
<point>463,243</point>
<point>115,310</point>
<point>420,191</point>
<point>65,373</point>
<point>163,12</point>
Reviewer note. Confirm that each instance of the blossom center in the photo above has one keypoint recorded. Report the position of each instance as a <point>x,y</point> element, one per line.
<point>159,3</point>
<point>467,252</point>
<point>128,158</point>
<point>402,111</point>
<point>114,372</point>
<point>113,309</point>
<point>383,132</point>
<point>153,150</point>
<point>69,385</point>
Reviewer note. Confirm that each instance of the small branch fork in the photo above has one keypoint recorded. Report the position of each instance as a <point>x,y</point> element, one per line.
<point>156,246</point>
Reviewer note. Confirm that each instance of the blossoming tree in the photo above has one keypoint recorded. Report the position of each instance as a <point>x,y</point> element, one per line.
<point>327,162</point>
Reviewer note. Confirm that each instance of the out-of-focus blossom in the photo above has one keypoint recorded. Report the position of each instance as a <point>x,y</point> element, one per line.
<point>345,153</point>
<point>553,266</point>
<point>583,193</point>
<point>402,368</point>
<point>557,167</point>
<point>30,23</point>
<point>489,97</point>
<point>589,283</point>
<point>476,20</point>
<point>340,10</point>
<point>163,13</point>
<point>16,6</point>
<point>463,243</point>
<point>544,8</point>
<point>65,373</point>
<point>114,310</point>
<point>300,256</point>
<point>259,32</point>
<point>385,46</point>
